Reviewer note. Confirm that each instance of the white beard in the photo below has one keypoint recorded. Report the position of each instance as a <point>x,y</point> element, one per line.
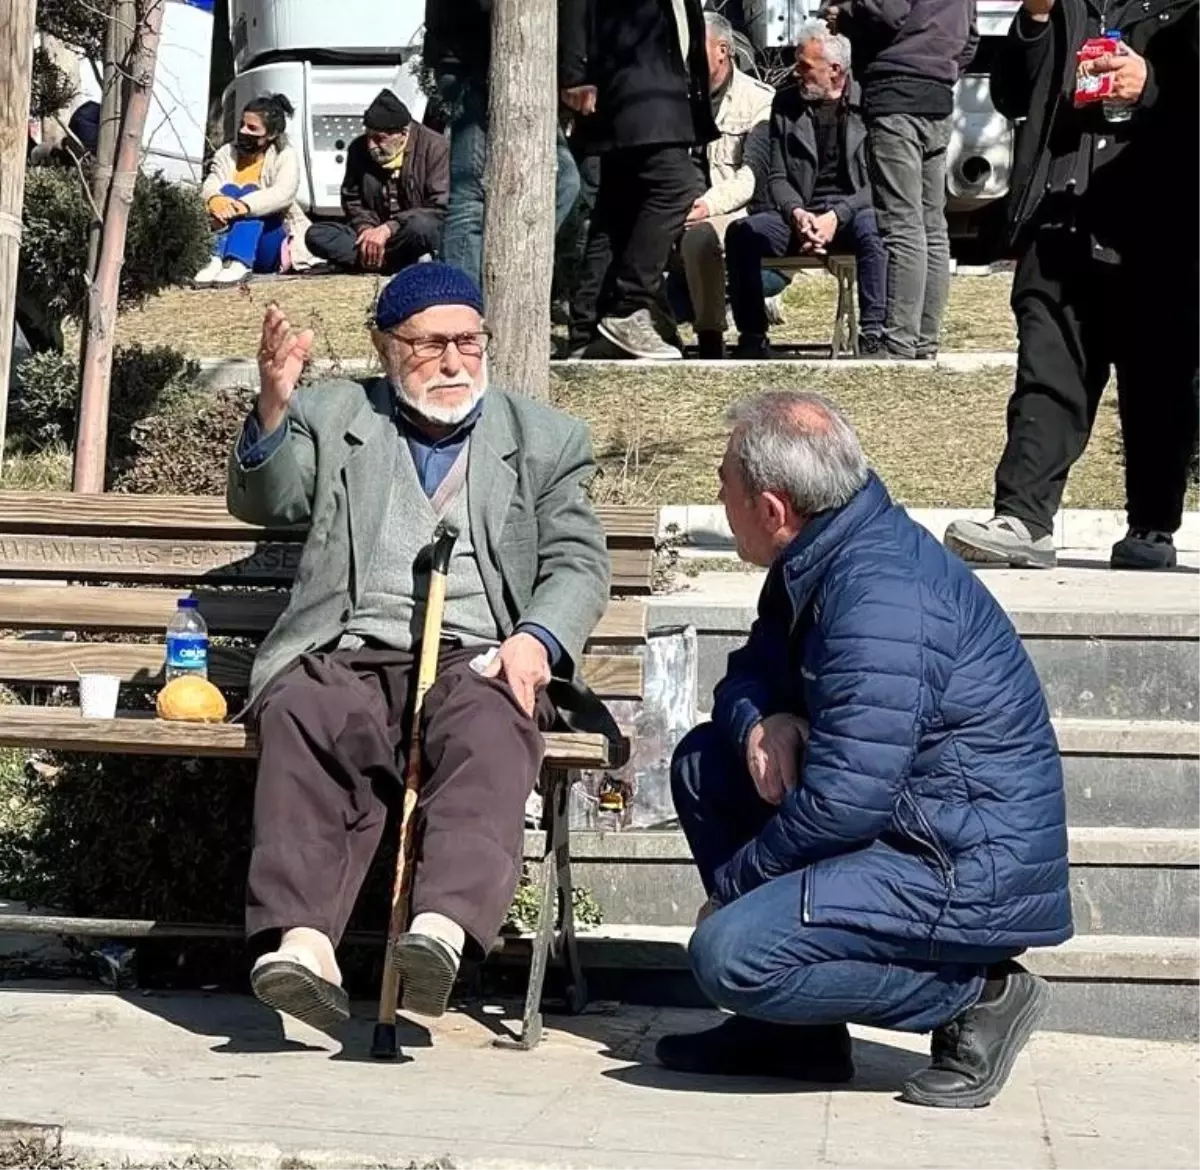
<point>447,416</point>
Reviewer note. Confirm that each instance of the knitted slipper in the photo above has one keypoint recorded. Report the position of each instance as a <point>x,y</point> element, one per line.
<point>283,981</point>
<point>427,968</point>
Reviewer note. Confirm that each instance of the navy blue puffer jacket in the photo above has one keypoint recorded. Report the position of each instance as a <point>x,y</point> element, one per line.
<point>931,803</point>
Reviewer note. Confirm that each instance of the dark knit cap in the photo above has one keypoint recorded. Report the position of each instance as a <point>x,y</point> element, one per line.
<point>421,286</point>
<point>387,113</point>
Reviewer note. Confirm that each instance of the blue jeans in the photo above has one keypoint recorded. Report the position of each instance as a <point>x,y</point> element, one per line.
<point>462,235</point>
<point>751,240</point>
<point>758,958</point>
<point>257,243</point>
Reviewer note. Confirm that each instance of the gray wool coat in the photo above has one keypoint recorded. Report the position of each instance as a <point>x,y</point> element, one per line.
<point>541,548</point>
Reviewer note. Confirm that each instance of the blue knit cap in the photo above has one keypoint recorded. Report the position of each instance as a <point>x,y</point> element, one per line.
<point>421,286</point>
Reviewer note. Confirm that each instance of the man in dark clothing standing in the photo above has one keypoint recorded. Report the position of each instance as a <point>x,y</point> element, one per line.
<point>819,189</point>
<point>1106,279</point>
<point>637,73</point>
<point>908,54</point>
<point>458,48</point>
<point>394,194</point>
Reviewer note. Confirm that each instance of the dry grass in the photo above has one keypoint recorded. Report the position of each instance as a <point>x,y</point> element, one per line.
<point>42,471</point>
<point>934,436</point>
<point>225,322</point>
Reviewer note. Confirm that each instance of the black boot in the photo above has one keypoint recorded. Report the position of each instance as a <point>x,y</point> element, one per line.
<point>754,347</point>
<point>974,1053</point>
<point>1142,548</point>
<point>711,344</point>
<point>741,1047</point>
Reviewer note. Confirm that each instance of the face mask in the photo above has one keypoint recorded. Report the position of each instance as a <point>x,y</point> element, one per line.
<point>249,143</point>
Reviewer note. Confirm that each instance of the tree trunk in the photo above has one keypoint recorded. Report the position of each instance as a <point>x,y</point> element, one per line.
<point>518,236</point>
<point>92,437</point>
<point>118,47</point>
<point>16,79</point>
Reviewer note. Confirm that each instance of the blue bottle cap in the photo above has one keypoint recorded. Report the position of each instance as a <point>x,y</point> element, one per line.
<point>189,603</point>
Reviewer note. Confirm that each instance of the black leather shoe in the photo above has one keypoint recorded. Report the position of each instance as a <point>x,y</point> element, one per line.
<point>740,1047</point>
<point>754,347</point>
<point>974,1053</point>
<point>1142,548</point>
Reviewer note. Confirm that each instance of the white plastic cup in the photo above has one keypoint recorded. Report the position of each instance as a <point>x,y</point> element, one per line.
<point>98,695</point>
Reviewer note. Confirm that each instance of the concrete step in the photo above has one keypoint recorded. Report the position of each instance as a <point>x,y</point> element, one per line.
<point>1123,881</point>
<point>1106,645</point>
<point>1126,985</point>
<point>1136,773</point>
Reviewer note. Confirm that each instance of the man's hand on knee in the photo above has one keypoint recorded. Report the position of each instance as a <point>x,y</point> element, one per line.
<point>523,662</point>
<point>773,754</point>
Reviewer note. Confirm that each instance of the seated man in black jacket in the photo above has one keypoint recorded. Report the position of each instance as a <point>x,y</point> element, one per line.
<point>818,188</point>
<point>394,194</point>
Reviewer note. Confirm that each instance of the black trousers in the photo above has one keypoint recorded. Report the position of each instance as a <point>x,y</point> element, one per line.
<point>420,232</point>
<point>1077,320</point>
<point>641,203</point>
<point>333,738</point>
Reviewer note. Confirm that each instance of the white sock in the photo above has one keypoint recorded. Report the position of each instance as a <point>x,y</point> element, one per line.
<point>444,929</point>
<point>301,939</point>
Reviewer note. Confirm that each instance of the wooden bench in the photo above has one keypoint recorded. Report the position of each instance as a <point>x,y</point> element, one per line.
<point>118,564</point>
<point>844,269</point>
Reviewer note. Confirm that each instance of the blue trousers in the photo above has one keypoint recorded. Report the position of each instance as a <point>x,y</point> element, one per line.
<point>751,240</point>
<point>758,958</point>
<point>257,243</point>
<point>462,235</point>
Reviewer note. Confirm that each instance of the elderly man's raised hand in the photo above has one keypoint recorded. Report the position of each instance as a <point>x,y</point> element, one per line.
<point>1039,9</point>
<point>282,353</point>
<point>773,755</point>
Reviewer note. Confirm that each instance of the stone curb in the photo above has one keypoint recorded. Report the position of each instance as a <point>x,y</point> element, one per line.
<point>703,528</point>
<point>1154,848</point>
<point>225,373</point>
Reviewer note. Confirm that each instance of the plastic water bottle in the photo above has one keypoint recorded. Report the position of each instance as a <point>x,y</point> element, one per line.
<point>187,641</point>
<point>1114,110</point>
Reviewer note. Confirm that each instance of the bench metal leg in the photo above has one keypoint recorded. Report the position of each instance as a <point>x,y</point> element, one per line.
<point>556,919</point>
<point>845,325</point>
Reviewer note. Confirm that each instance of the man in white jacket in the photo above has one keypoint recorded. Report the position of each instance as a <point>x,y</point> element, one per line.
<point>741,106</point>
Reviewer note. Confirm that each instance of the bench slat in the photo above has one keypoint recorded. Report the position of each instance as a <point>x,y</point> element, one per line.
<point>205,517</point>
<point>64,729</point>
<point>610,676</point>
<point>84,607</point>
<point>236,561</point>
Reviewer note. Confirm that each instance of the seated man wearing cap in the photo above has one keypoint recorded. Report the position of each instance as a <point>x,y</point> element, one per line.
<point>372,467</point>
<point>394,194</point>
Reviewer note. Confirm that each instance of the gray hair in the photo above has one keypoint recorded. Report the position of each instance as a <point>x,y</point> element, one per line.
<point>835,46</point>
<point>799,445</point>
<point>719,27</point>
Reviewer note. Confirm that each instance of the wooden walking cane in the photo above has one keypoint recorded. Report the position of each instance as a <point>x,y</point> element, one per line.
<point>383,1043</point>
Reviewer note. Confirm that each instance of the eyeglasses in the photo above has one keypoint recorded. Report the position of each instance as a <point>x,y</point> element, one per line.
<point>433,345</point>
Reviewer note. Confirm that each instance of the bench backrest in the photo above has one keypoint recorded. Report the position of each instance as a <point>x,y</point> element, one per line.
<point>119,563</point>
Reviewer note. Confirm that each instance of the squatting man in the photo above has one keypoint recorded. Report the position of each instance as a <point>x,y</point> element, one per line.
<point>877,807</point>
<point>372,467</point>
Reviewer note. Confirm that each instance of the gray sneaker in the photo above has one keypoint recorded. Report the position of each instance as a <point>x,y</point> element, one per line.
<point>1002,540</point>
<point>774,308</point>
<point>637,336</point>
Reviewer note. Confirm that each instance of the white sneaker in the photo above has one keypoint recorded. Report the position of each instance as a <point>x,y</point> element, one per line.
<point>637,336</point>
<point>234,272</point>
<point>209,272</point>
<point>774,308</point>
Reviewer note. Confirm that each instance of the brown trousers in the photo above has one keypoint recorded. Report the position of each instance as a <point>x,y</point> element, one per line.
<point>333,744</point>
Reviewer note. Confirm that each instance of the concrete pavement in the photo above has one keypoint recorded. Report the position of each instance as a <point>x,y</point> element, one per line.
<point>166,1077</point>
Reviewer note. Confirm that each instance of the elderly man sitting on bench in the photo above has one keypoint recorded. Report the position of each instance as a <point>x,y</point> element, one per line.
<point>372,467</point>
